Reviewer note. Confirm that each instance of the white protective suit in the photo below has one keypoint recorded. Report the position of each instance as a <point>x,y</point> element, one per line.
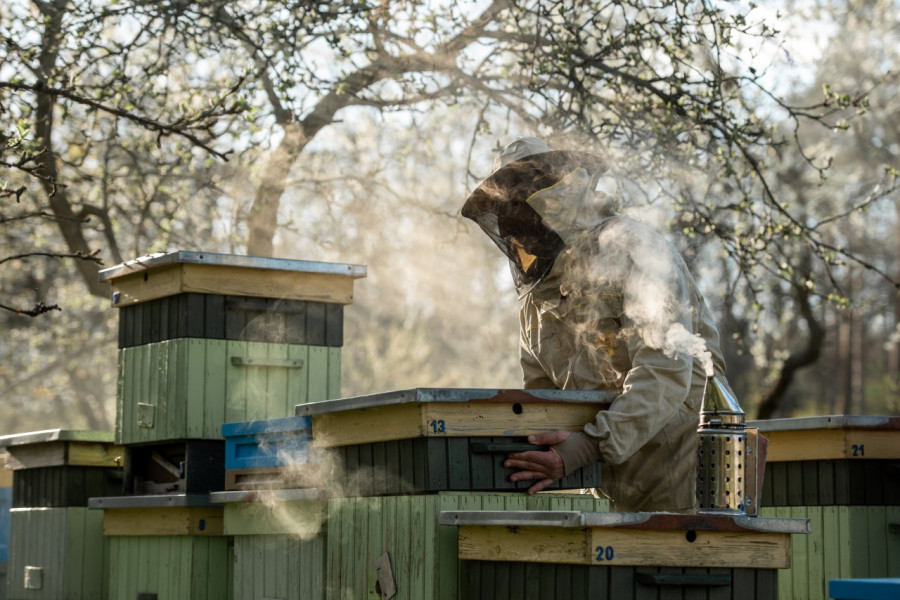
<point>618,310</point>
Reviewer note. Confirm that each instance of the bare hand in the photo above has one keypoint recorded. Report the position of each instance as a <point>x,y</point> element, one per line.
<point>545,466</point>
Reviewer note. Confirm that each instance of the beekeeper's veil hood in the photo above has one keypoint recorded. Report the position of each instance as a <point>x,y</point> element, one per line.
<point>531,202</point>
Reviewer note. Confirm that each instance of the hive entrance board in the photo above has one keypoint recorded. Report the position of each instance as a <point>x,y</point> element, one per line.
<point>448,413</point>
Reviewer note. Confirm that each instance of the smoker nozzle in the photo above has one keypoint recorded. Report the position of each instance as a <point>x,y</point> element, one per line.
<point>720,407</point>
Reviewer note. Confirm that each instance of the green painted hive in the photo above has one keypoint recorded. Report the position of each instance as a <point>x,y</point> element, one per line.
<point>279,543</point>
<point>845,542</point>
<point>166,547</point>
<point>211,338</point>
<point>412,551</point>
<point>187,388</point>
<point>57,554</point>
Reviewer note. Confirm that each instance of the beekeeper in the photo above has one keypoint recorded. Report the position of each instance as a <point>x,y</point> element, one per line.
<point>607,304</point>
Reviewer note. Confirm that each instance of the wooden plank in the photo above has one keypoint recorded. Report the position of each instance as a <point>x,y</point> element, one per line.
<point>892,516</point>
<point>876,532</point>
<point>824,444</point>
<point>95,455</point>
<point>266,283</point>
<point>357,426</point>
<point>682,549</point>
<point>446,419</point>
<point>168,280</point>
<point>538,544</point>
<point>317,380</point>
<point>30,456</point>
<point>214,392</point>
<point>182,520</point>
<point>613,547</point>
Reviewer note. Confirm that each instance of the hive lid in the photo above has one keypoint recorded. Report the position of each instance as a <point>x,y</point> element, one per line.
<point>162,275</point>
<point>451,395</point>
<point>56,435</point>
<point>160,259</point>
<point>828,422</point>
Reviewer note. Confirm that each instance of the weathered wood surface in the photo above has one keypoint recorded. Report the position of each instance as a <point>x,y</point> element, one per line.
<point>150,521</point>
<point>170,280</point>
<point>66,547</point>
<point>158,275</point>
<point>448,419</point>
<point>184,567</point>
<point>626,547</point>
<point>831,437</point>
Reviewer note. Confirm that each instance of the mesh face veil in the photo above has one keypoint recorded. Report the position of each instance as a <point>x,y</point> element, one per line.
<point>499,205</point>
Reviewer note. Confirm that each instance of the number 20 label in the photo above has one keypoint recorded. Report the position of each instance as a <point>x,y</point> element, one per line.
<point>604,553</point>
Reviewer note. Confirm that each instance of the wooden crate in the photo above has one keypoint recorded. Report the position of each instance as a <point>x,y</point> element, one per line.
<point>422,553</point>
<point>216,316</point>
<point>616,555</point>
<point>845,542</point>
<point>57,554</point>
<point>187,388</point>
<point>166,547</point>
<point>162,275</point>
<point>279,544</point>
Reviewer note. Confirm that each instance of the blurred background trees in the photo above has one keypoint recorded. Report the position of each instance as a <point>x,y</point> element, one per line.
<point>766,149</point>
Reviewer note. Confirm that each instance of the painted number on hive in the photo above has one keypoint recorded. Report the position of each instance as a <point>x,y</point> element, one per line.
<point>604,553</point>
<point>438,426</point>
<point>858,449</point>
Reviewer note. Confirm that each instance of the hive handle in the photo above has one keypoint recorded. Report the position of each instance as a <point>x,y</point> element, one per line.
<point>504,448</point>
<point>685,579</point>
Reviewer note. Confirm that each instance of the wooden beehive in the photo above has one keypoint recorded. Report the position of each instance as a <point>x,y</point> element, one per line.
<point>561,555</point>
<point>210,338</point>
<point>841,460</point>
<point>842,472</point>
<point>443,439</point>
<point>166,547</point>
<point>59,468</point>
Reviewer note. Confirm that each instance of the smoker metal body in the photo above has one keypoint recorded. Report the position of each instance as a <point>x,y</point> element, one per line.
<point>731,456</point>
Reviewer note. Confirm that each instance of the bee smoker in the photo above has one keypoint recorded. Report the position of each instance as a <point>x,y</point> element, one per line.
<point>729,474</point>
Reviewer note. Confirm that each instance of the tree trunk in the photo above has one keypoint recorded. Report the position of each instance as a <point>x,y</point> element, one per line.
<point>797,360</point>
<point>70,226</point>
